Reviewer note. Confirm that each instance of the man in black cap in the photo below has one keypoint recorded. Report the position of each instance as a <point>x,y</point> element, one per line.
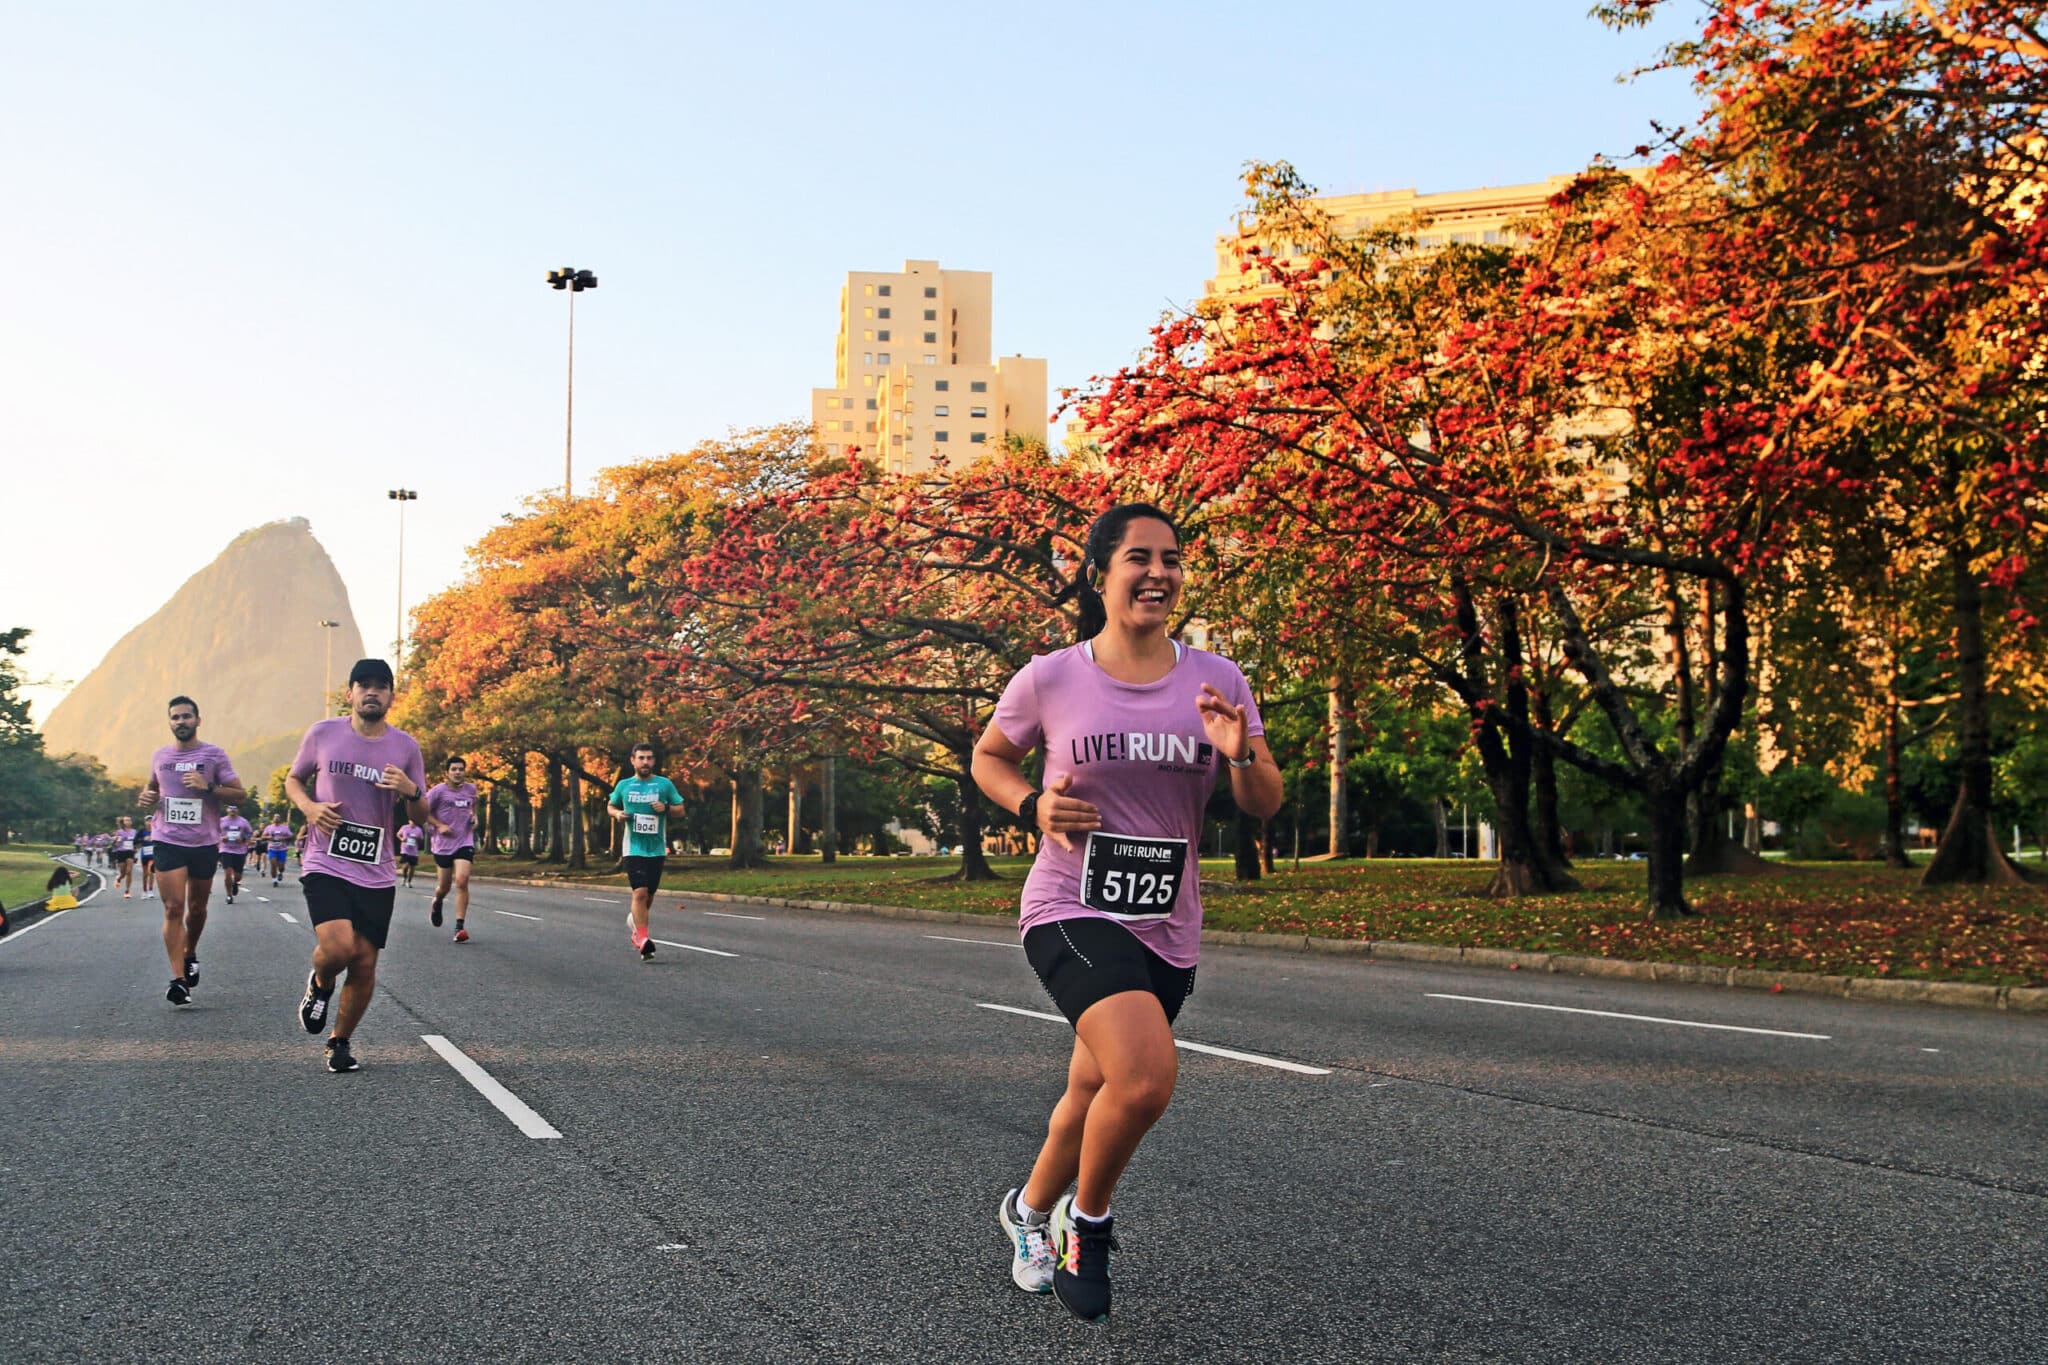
<point>350,773</point>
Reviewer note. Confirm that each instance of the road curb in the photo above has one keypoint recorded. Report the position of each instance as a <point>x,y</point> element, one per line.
<point>1891,991</point>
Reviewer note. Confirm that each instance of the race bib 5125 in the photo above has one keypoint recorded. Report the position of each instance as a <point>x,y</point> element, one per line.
<point>1131,877</point>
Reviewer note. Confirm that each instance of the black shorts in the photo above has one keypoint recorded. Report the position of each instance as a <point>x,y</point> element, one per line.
<point>409,859</point>
<point>234,862</point>
<point>122,855</point>
<point>149,858</point>
<point>644,874</point>
<point>198,864</point>
<point>1083,960</point>
<point>367,908</point>
<point>467,854</point>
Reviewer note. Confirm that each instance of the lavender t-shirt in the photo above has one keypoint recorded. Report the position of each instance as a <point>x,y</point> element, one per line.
<point>187,818</point>
<point>1138,754</point>
<point>339,765</point>
<point>234,834</point>
<point>454,807</point>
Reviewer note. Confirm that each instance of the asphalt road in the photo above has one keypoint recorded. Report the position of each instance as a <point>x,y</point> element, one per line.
<point>791,1149</point>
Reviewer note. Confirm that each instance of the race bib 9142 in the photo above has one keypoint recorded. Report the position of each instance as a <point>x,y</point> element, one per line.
<point>1131,877</point>
<point>182,810</point>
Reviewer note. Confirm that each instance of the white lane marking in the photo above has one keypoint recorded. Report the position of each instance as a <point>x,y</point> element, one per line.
<point>19,934</point>
<point>673,1246</point>
<point>1277,1063</point>
<point>516,915</point>
<point>286,918</point>
<point>1930,1049</point>
<point>984,942</point>
<point>601,900</point>
<point>725,915</point>
<point>1638,1018</point>
<point>264,899</point>
<point>667,943</point>
<point>509,1104</point>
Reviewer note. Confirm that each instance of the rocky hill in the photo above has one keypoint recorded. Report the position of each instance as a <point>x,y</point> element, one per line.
<point>243,638</point>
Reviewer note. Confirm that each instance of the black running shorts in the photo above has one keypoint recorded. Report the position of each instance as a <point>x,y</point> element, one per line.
<point>1082,960</point>
<point>198,864</point>
<point>122,855</point>
<point>234,862</point>
<point>367,908</point>
<point>644,874</point>
<point>467,854</point>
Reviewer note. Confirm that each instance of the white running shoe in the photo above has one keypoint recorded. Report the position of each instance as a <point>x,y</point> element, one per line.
<point>1031,1260</point>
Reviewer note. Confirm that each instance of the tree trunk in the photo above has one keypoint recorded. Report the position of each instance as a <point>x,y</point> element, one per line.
<point>748,810</point>
<point>1440,811</point>
<point>1525,866</point>
<point>522,813</point>
<point>1543,770</point>
<point>551,809</point>
<point>1969,851</point>
<point>797,842</point>
<point>1894,780</point>
<point>1266,849</point>
<point>1714,854</point>
<point>1752,828</point>
<point>578,847</point>
<point>828,812</point>
<point>1667,854</point>
<point>1340,806</point>
<point>1250,834</point>
<point>973,860</point>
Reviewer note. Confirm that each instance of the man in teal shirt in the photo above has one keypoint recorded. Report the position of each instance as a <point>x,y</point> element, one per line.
<point>642,802</point>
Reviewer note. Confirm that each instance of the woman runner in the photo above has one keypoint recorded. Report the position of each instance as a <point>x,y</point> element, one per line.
<point>1135,726</point>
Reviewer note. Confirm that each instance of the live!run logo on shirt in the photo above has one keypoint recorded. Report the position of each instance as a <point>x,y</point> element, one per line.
<point>361,770</point>
<point>1181,753</point>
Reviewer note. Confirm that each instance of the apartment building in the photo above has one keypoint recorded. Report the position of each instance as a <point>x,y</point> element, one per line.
<point>915,380</point>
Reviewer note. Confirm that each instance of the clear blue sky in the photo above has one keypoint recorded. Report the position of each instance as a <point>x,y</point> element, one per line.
<point>269,260</point>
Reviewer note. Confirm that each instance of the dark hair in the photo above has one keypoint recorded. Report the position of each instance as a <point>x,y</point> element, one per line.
<point>454,759</point>
<point>1103,539</point>
<point>60,877</point>
<point>642,745</point>
<point>182,700</point>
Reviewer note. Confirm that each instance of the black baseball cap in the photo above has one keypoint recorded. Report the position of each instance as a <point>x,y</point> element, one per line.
<point>375,672</point>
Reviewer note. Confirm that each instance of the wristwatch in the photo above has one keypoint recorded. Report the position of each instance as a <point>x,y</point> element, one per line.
<point>1244,762</point>
<point>1027,810</point>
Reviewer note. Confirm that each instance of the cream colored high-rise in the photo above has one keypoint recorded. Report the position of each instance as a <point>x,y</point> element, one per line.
<point>914,377</point>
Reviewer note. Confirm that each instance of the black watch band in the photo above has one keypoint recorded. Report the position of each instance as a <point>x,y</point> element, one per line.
<point>1027,810</point>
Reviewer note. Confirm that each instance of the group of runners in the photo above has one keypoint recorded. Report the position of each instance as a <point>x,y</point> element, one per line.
<point>1133,729</point>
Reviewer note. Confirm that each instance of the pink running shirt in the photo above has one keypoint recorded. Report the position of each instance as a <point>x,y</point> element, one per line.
<point>1138,754</point>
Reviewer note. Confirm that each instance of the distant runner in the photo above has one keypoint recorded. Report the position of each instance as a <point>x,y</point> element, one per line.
<point>451,810</point>
<point>642,803</point>
<point>349,778</point>
<point>145,853</point>
<point>277,839</point>
<point>189,784</point>
<point>235,835</point>
<point>124,856</point>
<point>411,838</point>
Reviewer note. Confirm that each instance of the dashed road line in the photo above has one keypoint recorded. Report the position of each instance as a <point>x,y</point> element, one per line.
<point>984,942</point>
<point>516,915</point>
<point>1638,1018</point>
<point>286,917</point>
<point>510,1105</point>
<point>725,914</point>
<point>691,947</point>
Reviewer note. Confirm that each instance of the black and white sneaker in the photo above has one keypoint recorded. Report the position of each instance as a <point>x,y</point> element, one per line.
<point>191,971</point>
<point>178,994</point>
<point>1080,1249</point>
<point>1030,1246</point>
<point>434,915</point>
<point>313,1007</point>
<point>339,1058</point>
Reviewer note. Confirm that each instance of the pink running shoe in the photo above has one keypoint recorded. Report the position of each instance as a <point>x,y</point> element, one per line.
<point>639,934</point>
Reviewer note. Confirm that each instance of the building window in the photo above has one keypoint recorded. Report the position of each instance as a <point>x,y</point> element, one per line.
<point>942,411</point>
<point>883,290</point>
<point>883,313</point>
<point>871,404</point>
<point>868,335</point>
<point>867,289</point>
<point>846,426</point>
<point>881,357</point>
<point>867,357</point>
<point>942,384</point>
<point>977,412</point>
<point>931,360</point>
<point>931,315</point>
<point>871,426</point>
<point>883,335</point>
<point>939,436</point>
<point>931,338</point>
<point>867,312</point>
<point>979,438</point>
<point>978,386</point>
<point>930,292</point>
<point>869,381</point>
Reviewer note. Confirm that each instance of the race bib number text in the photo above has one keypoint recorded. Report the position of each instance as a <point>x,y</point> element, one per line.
<point>354,843</point>
<point>646,824</point>
<point>1131,877</point>
<point>182,810</point>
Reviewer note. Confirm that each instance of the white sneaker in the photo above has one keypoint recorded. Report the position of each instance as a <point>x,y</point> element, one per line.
<point>1030,1247</point>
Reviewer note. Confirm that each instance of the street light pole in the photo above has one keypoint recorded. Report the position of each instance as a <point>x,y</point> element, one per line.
<point>401,496</point>
<point>575,281</point>
<point>327,675</point>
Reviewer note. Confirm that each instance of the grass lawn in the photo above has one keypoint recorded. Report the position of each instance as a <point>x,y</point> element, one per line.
<point>23,870</point>
<point>1848,919</point>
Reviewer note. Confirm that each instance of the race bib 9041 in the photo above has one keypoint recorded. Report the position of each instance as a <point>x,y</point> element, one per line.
<point>1131,877</point>
<point>646,824</point>
<point>182,810</point>
<point>353,843</point>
